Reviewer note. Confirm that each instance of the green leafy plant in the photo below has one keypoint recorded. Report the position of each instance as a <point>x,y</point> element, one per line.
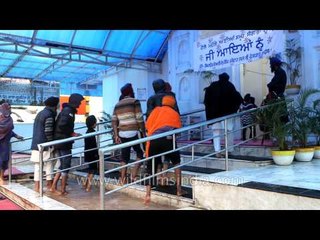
<point>301,115</point>
<point>273,118</point>
<point>315,120</point>
<point>293,63</point>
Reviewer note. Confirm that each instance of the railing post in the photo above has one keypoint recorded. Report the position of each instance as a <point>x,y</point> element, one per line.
<point>101,178</point>
<point>226,143</point>
<point>41,170</point>
<point>10,161</point>
<point>98,136</point>
<point>153,168</point>
<point>192,153</point>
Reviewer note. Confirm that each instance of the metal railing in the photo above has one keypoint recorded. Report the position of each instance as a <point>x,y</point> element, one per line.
<point>174,133</point>
<point>28,150</point>
<point>97,134</point>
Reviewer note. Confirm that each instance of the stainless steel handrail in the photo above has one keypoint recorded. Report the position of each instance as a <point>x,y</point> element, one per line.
<point>173,133</point>
<point>70,139</point>
<point>139,141</point>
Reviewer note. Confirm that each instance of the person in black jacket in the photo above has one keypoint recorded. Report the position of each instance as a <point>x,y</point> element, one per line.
<point>91,151</point>
<point>159,87</point>
<point>221,99</point>
<point>64,128</point>
<point>43,128</point>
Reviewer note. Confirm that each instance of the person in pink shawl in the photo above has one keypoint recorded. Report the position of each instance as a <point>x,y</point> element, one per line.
<point>6,133</point>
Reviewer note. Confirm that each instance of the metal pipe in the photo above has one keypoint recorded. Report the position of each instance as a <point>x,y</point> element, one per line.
<point>41,170</point>
<point>153,168</point>
<point>10,162</point>
<point>101,177</point>
<point>226,143</point>
<point>98,137</point>
<point>192,152</point>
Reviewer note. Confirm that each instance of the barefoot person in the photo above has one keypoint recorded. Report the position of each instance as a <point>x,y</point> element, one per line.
<point>64,128</point>
<point>127,122</point>
<point>91,152</point>
<point>43,127</point>
<point>162,119</point>
<point>6,133</point>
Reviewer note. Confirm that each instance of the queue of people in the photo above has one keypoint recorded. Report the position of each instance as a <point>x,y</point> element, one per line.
<point>128,124</point>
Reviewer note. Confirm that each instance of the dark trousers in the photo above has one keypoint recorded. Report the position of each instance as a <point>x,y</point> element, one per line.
<point>252,132</point>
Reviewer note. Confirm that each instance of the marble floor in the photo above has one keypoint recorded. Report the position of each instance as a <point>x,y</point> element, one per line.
<point>304,175</point>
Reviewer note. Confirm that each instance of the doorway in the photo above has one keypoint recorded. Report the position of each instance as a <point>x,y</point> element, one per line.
<point>255,77</point>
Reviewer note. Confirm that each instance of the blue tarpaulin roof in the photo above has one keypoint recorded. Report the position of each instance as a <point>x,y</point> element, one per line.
<point>76,55</point>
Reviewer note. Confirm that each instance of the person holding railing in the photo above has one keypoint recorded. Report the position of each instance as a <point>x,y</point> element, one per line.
<point>64,128</point>
<point>127,124</point>
<point>43,128</point>
<point>6,133</point>
<point>91,152</point>
<point>161,89</point>
<point>162,119</point>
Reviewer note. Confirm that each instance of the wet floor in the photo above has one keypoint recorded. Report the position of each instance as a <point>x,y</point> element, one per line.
<point>79,199</point>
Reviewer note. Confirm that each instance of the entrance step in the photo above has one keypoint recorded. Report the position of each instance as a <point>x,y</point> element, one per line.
<point>234,161</point>
<point>29,199</point>
<point>191,208</point>
<point>253,148</point>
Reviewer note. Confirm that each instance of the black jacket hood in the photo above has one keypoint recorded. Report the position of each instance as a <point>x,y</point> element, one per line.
<point>159,85</point>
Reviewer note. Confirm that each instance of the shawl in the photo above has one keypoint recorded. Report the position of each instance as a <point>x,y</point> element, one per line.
<point>6,121</point>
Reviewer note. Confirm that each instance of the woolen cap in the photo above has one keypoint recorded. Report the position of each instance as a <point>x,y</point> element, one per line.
<point>51,101</point>
<point>75,99</point>
<point>159,85</point>
<point>127,89</point>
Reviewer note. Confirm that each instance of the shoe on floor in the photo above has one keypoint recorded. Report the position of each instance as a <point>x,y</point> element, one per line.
<point>224,154</point>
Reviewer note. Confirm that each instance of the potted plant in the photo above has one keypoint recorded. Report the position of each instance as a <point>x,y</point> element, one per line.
<point>293,65</point>
<point>315,126</point>
<point>301,113</point>
<point>274,118</point>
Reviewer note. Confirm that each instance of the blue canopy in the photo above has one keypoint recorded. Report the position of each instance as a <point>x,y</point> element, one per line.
<point>76,55</point>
